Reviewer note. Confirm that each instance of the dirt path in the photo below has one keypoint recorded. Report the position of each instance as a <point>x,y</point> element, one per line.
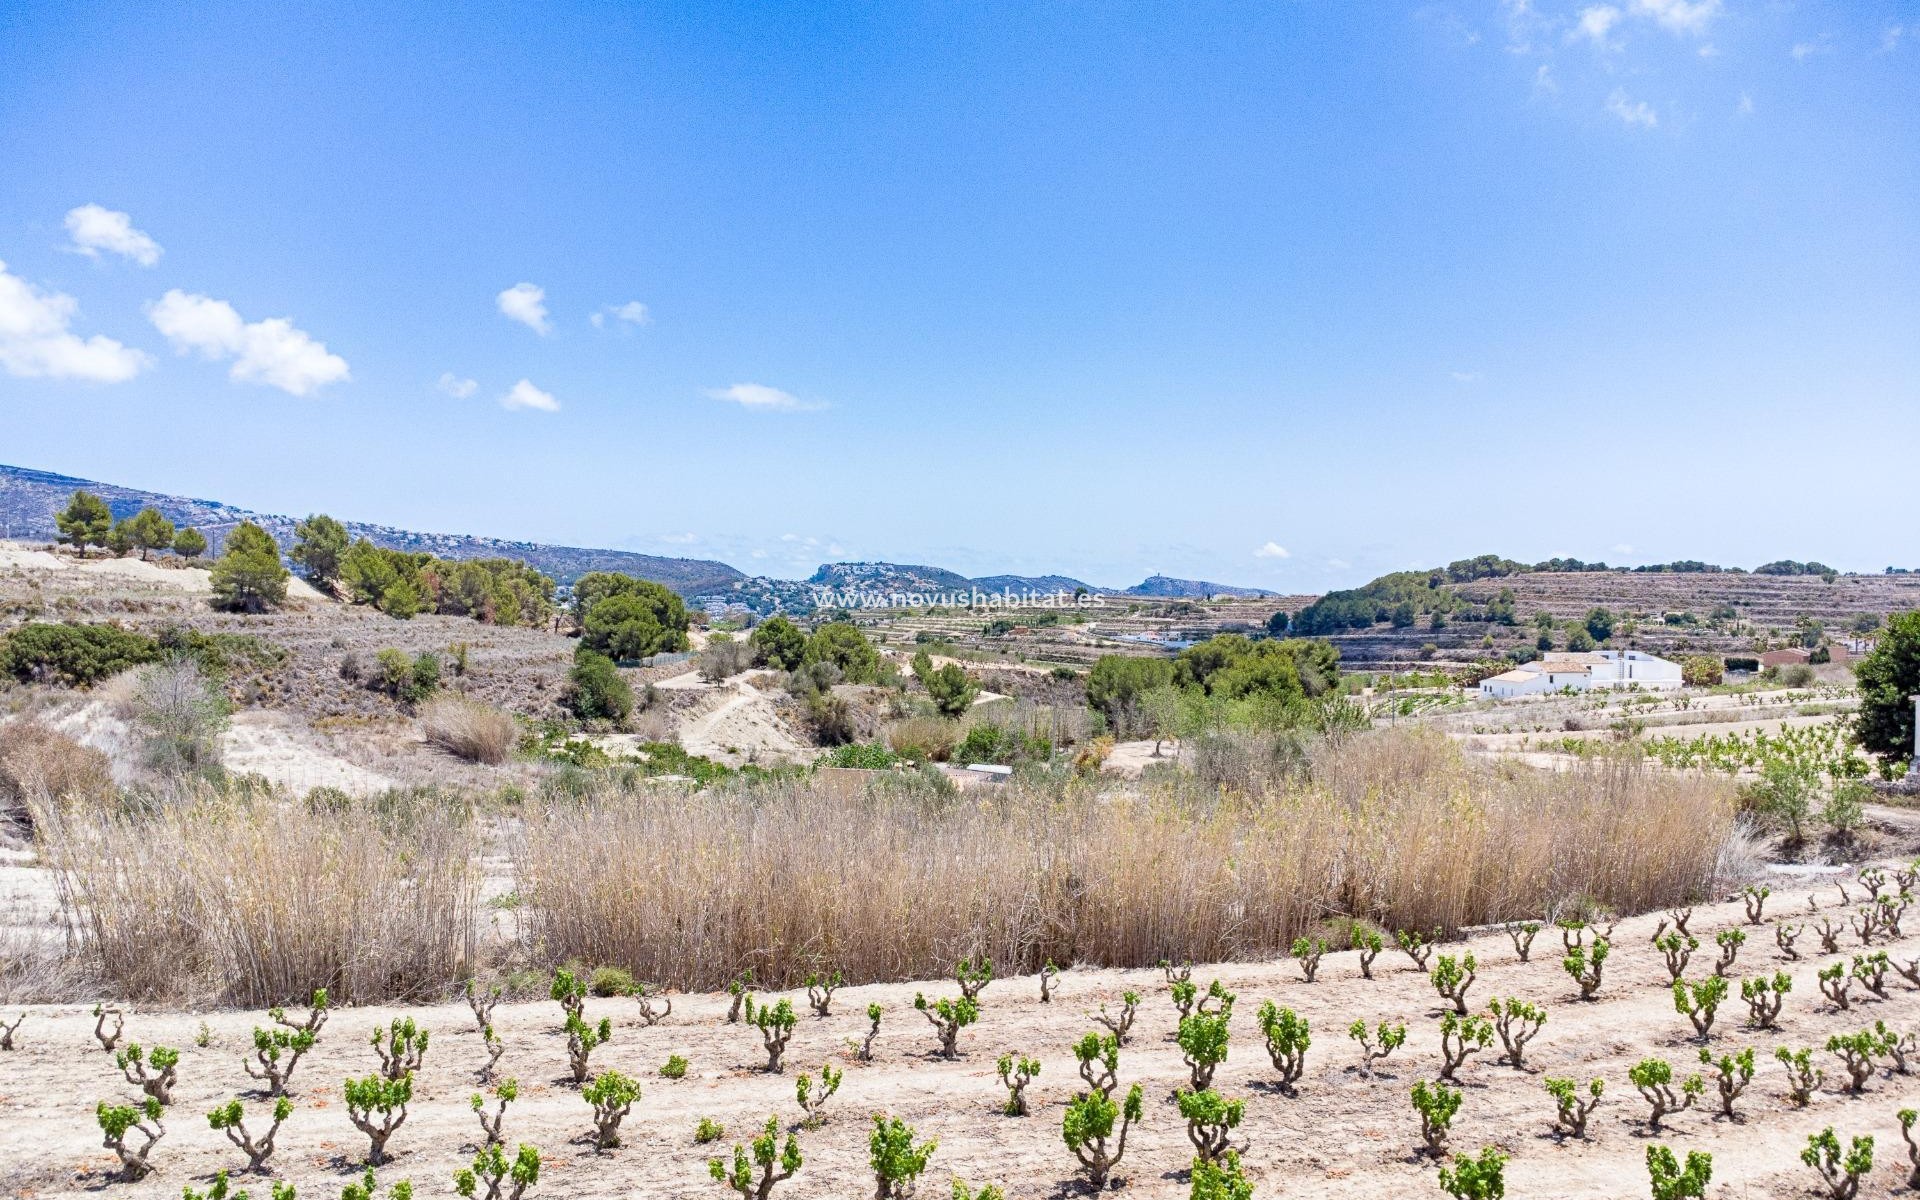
<point>1342,1135</point>
<point>744,727</point>
<point>270,745</point>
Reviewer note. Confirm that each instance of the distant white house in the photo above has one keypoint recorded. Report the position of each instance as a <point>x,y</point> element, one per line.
<point>1584,671</point>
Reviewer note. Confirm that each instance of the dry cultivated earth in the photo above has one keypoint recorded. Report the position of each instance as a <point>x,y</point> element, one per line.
<point>1343,1134</point>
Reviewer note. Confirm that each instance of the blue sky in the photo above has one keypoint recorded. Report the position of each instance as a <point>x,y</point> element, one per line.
<point>1284,294</point>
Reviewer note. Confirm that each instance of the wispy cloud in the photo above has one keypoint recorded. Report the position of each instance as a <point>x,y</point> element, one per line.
<point>632,313</point>
<point>523,395</point>
<point>762,398</point>
<point>1464,376</point>
<point>453,385</point>
<point>1802,51</point>
<point>680,539</point>
<point>527,304</point>
<point>1679,16</point>
<point>1272,550</point>
<point>1632,112</point>
<point>36,341</point>
<point>1543,81</point>
<point>270,352</point>
<point>1890,40</point>
<point>93,229</point>
<point>1595,23</point>
<point>1746,105</point>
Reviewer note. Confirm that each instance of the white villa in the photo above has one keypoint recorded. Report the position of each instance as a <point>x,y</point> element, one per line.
<point>1584,671</point>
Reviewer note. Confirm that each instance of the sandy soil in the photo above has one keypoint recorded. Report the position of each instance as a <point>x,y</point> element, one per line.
<point>1131,758</point>
<point>1342,1135</point>
<point>274,746</point>
<point>740,725</point>
<point>194,581</point>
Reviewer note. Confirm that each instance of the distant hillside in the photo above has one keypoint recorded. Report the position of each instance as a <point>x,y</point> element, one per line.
<point>887,577</point>
<point>29,499</point>
<point>1190,589</point>
<point>1045,584</point>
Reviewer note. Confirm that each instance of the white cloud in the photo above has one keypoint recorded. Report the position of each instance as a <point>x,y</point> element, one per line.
<point>36,343</point>
<point>271,352</point>
<point>1272,550</point>
<point>761,398</point>
<point>527,304</point>
<point>1543,80</point>
<point>524,395</point>
<point>1679,16</point>
<point>680,539</point>
<point>1623,547</point>
<point>1804,50</point>
<point>1596,22</point>
<point>94,229</point>
<point>1464,376</point>
<point>631,313</point>
<point>452,385</point>
<point>1709,51</point>
<point>1890,40</point>
<point>1746,105</point>
<point>1338,564</point>
<point>1632,112</point>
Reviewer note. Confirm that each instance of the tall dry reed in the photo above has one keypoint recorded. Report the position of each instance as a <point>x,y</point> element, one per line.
<point>256,901</point>
<point>1396,828</point>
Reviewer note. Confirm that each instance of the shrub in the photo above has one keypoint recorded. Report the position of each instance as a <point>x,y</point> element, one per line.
<point>865,1051</point>
<point>1211,1119</point>
<point>610,981</point>
<point>813,1100</point>
<point>290,1038</point>
<point>218,1190</point>
<point>708,1130</point>
<point>820,989</point>
<point>582,1040</point>
<point>948,1018</point>
<point>643,620</point>
<point>1764,997</point>
<point>505,1093</point>
<point>1415,946</point>
<point>470,730</point>
<point>1585,963</point>
<point>1220,1180</point>
<point>1840,1172</point>
<point>1461,1037</point>
<point>1204,1043</point>
<point>119,1120</point>
<point>505,1180</point>
<point>674,1068</point>
<point>1288,1038</point>
<point>1089,1131</point>
<point>654,1008</point>
<point>830,718</point>
<point>1452,978</point>
<point>595,691</point>
<point>1482,1178</point>
<point>723,659</point>
<point>153,1072</point>
<point>1121,1024</point>
<point>1573,1112</point>
<point>1855,1051</point>
<point>1731,1075</point>
<point>100,1014</point>
<point>973,976</point>
<point>1517,1022</point>
<point>363,1189</point>
<point>1437,1105</point>
<point>1803,1078</point>
<point>1307,952</point>
<point>896,1161</point>
<point>73,655</point>
<point>377,1106</point>
<point>182,713</point>
<point>1377,1043</point>
<point>775,1023</point>
<point>401,1047</point>
<point>775,1163</point>
<point>1522,934</point>
<point>1835,984</point>
<point>1015,1073</point>
<point>1671,1182</point>
<point>1369,943</point>
<point>1654,1078</point>
<point>1907,1118</point>
<point>1698,1002</point>
<point>777,643</point>
<point>1677,948</point>
<point>612,1095</point>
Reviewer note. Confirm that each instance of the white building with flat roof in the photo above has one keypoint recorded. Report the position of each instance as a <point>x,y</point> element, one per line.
<point>1583,671</point>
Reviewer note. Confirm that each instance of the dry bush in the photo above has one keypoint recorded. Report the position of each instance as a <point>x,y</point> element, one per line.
<point>181,712</point>
<point>39,766</point>
<point>470,730</point>
<point>254,901</point>
<point>923,739</point>
<point>1398,828</point>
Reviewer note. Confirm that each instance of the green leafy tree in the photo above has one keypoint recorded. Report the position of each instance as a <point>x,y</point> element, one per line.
<point>1888,679</point>
<point>1599,624</point>
<point>1579,640</point>
<point>1118,681</point>
<point>85,521</point>
<point>595,690</point>
<point>320,543</point>
<point>149,530</point>
<point>842,644</point>
<point>248,576</point>
<point>189,542</point>
<point>948,686</point>
<point>778,643</point>
<point>644,620</point>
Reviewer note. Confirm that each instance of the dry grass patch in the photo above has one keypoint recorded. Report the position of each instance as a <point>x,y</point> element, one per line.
<point>255,901</point>
<point>470,730</point>
<point>1399,829</point>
